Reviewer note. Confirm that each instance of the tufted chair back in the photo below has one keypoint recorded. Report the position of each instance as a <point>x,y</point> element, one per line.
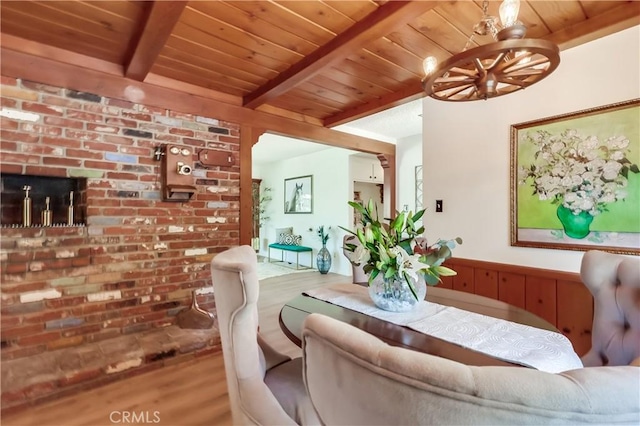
<point>354,378</point>
<point>614,282</point>
<point>359,277</point>
<point>265,387</point>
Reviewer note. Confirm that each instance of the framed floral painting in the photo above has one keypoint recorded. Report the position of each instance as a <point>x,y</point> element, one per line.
<point>575,180</point>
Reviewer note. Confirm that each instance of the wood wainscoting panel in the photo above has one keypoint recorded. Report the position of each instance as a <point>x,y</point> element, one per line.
<point>446,282</point>
<point>486,283</point>
<point>511,288</point>
<point>557,296</point>
<point>575,314</point>
<point>463,281</point>
<point>540,297</point>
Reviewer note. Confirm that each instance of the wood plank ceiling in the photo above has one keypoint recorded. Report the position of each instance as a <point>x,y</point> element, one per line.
<point>321,62</point>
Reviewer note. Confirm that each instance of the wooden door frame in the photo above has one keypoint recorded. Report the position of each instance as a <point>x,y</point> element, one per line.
<point>248,138</point>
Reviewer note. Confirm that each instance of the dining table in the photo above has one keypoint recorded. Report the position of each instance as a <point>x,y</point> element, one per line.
<point>294,312</point>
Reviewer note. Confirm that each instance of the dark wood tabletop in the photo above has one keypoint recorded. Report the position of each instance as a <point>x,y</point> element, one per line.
<point>296,310</point>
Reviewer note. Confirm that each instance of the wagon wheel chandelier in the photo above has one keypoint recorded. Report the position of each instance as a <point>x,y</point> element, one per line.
<point>506,65</point>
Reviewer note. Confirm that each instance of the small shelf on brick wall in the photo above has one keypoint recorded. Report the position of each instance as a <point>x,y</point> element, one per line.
<point>56,188</point>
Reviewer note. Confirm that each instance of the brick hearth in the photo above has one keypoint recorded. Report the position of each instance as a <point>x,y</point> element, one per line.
<point>53,374</point>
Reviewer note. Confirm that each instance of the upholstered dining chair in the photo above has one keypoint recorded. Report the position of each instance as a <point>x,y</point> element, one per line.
<point>357,271</point>
<point>353,378</point>
<point>614,282</point>
<point>265,387</point>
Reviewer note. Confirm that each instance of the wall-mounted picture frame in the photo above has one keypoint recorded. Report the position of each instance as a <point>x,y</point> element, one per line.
<point>575,180</point>
<point>298,194</point>
<point>418,188</point>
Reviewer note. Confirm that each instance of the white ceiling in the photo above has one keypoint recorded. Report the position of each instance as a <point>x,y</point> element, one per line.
<point>388,126</point>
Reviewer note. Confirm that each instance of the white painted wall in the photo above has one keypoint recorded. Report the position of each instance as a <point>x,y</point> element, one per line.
<point>408,156</point>
<point>466,148</point>
<point>370,191</point>
<point>331,191</point>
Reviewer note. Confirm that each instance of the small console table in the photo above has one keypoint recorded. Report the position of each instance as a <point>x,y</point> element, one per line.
<point>296,249</point>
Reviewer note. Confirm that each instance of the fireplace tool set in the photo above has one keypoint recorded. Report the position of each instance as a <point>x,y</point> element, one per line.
<point>47,212</point>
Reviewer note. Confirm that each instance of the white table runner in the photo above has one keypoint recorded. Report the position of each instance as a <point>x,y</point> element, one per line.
<point>521,344</point>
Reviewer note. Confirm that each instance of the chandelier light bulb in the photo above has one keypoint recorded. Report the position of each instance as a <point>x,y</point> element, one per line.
<point>509,12</point>
<point>429,64</point>
<point>526,57</point>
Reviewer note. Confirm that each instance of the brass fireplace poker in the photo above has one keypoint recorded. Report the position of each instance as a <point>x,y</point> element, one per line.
<point>70,215</point>
<point>47,214</point>
<point>26,206</point>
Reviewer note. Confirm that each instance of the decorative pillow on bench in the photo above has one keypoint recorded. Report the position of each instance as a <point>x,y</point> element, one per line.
<point>285,236</point>
<point>280,231</point>
<point>290,239</point>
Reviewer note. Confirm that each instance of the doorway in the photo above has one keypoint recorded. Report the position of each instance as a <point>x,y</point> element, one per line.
<point>365,191</point>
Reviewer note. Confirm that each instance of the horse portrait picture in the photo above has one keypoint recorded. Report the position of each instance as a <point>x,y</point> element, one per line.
<point>298,194</point>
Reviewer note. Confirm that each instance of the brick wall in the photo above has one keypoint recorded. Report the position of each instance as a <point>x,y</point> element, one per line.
<point>133,264</point>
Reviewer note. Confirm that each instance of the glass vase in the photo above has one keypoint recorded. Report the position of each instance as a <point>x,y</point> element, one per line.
<point>393,293</point>
<point>574,225</point>
<point>323,260</point>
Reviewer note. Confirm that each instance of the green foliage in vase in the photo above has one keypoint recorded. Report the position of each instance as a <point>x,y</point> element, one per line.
<point>324,236</point>
<point>393,250</point>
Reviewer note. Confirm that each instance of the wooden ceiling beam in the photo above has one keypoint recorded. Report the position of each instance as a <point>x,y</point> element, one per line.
<point>376,25</point>
<point>181,86</point>
<point>163,16</point>
<point>620,18</point>
<point>20,65</point>
<point>33,48</point>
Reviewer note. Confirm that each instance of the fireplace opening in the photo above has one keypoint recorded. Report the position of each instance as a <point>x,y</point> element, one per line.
<point>42,201</point>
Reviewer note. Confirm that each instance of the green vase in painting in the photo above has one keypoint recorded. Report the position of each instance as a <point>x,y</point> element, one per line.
<point>574,225</point>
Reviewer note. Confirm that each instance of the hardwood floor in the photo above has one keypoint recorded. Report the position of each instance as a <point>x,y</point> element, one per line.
<point>189,393</point>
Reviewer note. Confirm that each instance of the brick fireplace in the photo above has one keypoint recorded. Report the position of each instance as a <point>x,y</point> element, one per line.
<point>91,302</point>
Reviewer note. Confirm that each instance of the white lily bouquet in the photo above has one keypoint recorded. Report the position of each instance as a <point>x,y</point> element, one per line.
<point>398,251</point>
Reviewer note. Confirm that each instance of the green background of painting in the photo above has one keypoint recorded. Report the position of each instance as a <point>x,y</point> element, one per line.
<point>622,216</point>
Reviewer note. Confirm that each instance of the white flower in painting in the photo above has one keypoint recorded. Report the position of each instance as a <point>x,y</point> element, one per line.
<point>596,164</point>
<point>558,171</point>
<point>608,197</point>
<point>576,180</point>
<point>557,146</point>
<point>582,172</point>
<point>590,143</point>
<point>611,169</point>
<point>523,174</point>
<point>616,155</point>
<point>571,198</point>
<point>567,181</point>
<point>618,142</point>
<point>620,194</point>
<point>547,156</point>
